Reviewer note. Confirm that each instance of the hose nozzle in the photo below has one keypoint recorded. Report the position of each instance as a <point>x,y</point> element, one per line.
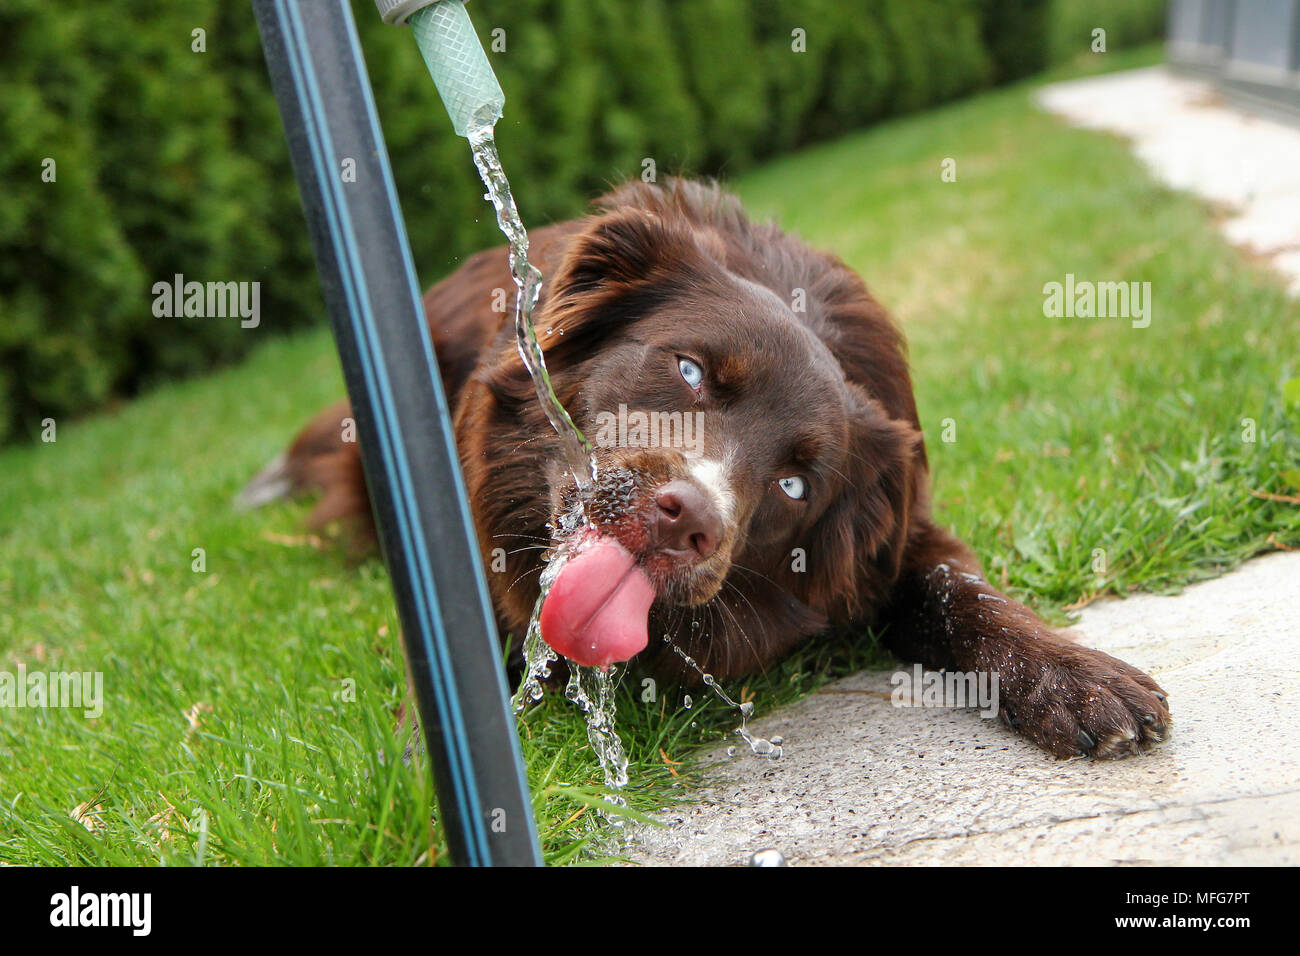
<point>455,58</point>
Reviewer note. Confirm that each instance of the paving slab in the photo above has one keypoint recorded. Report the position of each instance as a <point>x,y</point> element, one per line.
<point>1190,139</point>
<point>862,781</point>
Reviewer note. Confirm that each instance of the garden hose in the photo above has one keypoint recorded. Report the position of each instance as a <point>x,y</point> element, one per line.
<point>455,58</point>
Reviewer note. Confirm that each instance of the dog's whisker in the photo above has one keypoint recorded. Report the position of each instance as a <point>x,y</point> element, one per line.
<point>741,567</point>
<point>531,547</point>
<point>527,441</point>
<point>511,586</point>
<point>847,480</point>
<point>534,537</point>
<point>757,619</point>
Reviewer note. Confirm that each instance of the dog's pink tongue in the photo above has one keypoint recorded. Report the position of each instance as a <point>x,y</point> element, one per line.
<point>597,609</point>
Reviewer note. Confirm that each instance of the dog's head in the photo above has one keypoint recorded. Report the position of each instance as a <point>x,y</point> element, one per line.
<point>747,490</point>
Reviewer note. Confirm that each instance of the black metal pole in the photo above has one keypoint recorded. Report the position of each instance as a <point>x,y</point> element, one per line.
<point>404,426</point>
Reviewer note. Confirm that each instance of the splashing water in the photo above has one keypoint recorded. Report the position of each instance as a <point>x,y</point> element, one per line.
<point>538,656</point>
<point>760,745</point>
<point>591,688</point>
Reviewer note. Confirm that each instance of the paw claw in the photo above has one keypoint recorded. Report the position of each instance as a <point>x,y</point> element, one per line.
<point>1117,746</point>
<point>1084,701</point>
<point>1155,732</point>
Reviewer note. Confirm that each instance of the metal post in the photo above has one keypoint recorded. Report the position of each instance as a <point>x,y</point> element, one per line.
<point>406,438</point>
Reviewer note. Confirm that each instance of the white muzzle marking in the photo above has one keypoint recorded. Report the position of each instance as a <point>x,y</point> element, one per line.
<point>712,477</point>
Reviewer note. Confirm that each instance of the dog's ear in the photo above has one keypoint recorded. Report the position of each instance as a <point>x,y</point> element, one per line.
<point>621,266</point>
<point>626,252</point>
<point>860,540</point>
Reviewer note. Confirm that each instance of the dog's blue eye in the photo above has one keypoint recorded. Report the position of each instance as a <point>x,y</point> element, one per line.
<point>795,487</point>
<point>691,372</point>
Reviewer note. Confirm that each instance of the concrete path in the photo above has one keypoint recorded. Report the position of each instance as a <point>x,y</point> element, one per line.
<point>1185,134</point>
<point>864,782</point>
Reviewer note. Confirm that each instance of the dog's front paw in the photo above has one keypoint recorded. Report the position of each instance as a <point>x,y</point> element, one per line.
<point>1075,701</point>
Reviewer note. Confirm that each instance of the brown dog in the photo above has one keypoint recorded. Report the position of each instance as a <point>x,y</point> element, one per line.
<point>800,503</point>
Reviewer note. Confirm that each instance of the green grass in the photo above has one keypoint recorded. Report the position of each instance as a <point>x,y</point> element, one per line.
<point>227,737</point>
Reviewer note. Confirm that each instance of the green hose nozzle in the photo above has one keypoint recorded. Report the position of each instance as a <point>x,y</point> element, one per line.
<point>456,61</point>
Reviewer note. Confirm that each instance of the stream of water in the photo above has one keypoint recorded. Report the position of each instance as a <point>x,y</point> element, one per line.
<point>529,282</point>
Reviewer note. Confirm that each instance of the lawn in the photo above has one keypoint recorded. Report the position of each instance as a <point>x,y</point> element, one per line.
<point>1088,457</point>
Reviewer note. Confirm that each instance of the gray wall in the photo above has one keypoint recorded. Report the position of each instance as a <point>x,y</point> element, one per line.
<point>1251,48</point>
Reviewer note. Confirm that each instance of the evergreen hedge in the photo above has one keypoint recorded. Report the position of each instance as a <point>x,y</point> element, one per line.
<point>168,160</point>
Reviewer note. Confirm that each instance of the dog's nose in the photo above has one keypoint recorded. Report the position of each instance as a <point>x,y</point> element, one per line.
<point>685,520</point>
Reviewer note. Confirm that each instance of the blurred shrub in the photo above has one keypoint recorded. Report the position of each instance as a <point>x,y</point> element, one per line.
<point>1015,34</point>
<point>1126,22</point>
<point>173,161</point>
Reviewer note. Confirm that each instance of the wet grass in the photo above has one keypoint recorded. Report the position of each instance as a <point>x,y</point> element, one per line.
<point>249,706</point>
